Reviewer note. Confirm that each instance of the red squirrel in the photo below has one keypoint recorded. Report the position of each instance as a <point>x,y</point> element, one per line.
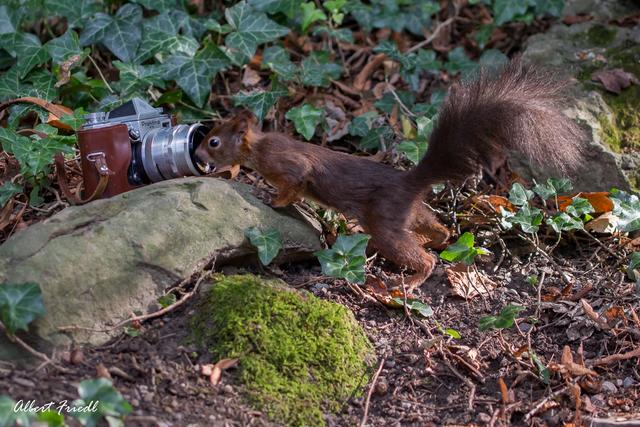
<point>516,108</point>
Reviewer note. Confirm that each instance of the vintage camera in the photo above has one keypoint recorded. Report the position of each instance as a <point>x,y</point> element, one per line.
<point>136,144</point>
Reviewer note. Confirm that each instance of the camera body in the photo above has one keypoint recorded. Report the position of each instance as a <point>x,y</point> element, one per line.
<point>140,145</point>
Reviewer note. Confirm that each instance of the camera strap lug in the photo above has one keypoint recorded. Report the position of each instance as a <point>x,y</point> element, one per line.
<point>99,161</point>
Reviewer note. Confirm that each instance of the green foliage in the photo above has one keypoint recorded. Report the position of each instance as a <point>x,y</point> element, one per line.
<point>346,259</point>
<point>543,372</point>
<point>310,14</point>
<point>504,320</point>
<point>318,69</point>
<point>268,243</point>
<point>305,118</point>
<point>7,191</point>
<point>516,10</point>
<point>553,187</point>
<point>300,356</point>
<point>416,306</point>
<point>520,196</point>
<point>627,209</point>
<point>634,266</point>
<point>416,148</point>
<point>20,304</point>
<point>167,300</point>
<point>463,250</point>
<point>110,403</point>
<point>260,101</point>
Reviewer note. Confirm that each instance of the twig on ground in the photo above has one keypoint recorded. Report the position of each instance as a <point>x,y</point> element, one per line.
<point>543,402</point>
<point>46,360</point>
<point>363,423</point>
<point>435,32</point>
<point>608,360</point>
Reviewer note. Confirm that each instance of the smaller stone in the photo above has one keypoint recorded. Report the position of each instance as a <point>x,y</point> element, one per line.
<point>390,363</point>
<point>484,418</point>
<point>628,382</point>
<point>382,386</point>
<point>227,389</point>
<point>608,386</point>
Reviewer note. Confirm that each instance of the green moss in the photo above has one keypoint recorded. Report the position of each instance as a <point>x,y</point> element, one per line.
<point>299,355</point>
<point>599,35</point>
<point>609,133</point>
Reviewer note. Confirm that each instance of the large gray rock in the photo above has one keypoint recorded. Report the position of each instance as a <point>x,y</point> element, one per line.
<point>99,263</point>
<point>575,52</point>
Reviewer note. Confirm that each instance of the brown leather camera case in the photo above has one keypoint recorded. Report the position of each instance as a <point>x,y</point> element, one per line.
<point>112,142</point>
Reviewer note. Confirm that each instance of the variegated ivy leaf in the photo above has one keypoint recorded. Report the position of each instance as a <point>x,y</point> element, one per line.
<point>64,46</point>
<point>306,119</point>
<point>75,11</point>
<point>121,34</point>
<point>43,85</point>
<point>194,74</point>
<point>20,304</point>
<point>260,101</point>
<point>346,258</point>
<point>251,28</point>
<point>520,196</point>
<point>161,33</point>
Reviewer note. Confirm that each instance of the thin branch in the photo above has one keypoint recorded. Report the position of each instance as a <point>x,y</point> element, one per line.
<point>363,423</point>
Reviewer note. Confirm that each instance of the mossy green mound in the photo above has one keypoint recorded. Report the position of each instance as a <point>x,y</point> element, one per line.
<point>299,355</point>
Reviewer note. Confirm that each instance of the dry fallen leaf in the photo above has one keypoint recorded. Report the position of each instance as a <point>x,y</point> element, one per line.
<point>614,80</point>
<point>377,288</point>
<point>467,283</point>
<point>102,371</point>
<point>492,203</point>
<point>65,70</point>
<point>599,200</point>
<point>605,223</point>
<point>250,77</point>
<point>591,314</point>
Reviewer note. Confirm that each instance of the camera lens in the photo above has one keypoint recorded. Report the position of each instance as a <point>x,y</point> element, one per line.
<point>170,152</point>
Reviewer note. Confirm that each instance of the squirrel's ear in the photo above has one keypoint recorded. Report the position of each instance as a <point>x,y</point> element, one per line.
<point>243,121</point>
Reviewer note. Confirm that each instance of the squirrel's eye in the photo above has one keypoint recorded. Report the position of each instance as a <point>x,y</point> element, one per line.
<point>214,142</point>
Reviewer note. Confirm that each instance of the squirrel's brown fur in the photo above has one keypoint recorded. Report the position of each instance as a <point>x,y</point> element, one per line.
<point>516,108</point>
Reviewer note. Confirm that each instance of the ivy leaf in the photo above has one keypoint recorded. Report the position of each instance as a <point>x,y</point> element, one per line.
<point>64,46</point>
<point>346,258</point>
<point>10,417</point>
<point>161,33</point>
<point>310,14</point>
<point>43,85</point>
<point>124,35</point>
<point>564,222</point>
<point>519,196</point>
<point>553,187</point>
<point>138,78</point>
<point>305,118</point>
<point>463,250</point>
<point>260,101</point>
<point>74,120</point>
<point>458,61</point>
<point>319,70</point>
<point>627,207</point>
<point>7,191</point>
<point>416,306</point>
<point>374,138</point>
<point>95,28</point>
<point>506,10</point>
<point>634,264</point>
<point>426,61</point>
<point>75,11</point>
<point>252,28</point>
<point>528,218</point>
<point>194,74</point>
<point>288,7</point>
<point>111,403</point>
<point>416,148</point>
<point>7,26</point>
<point>579,207</point>
<point>167,300</point>
<point>268,243</point>
<point>362,124</point>
<point>388,101</point>
<point>159,5</point>
<point>26,47</point>
<point>20,304</point>
<point>493,59</point>
<point>277,60</point>
<point>504,320</point>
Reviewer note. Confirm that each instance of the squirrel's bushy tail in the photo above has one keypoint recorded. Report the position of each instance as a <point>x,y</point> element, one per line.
<point>518,108</point>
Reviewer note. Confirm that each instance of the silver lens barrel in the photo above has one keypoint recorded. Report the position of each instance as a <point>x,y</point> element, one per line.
<point>168,152</point>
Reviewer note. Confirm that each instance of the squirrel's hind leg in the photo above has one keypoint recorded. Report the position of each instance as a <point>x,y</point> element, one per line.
<point>402,248</point>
